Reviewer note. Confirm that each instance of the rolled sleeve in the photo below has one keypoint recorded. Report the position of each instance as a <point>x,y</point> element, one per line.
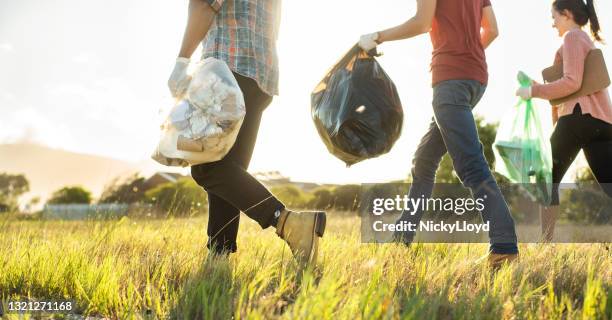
<point>215,4</point>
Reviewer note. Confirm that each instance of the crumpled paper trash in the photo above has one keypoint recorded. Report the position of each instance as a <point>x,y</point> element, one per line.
<point>203,126</point>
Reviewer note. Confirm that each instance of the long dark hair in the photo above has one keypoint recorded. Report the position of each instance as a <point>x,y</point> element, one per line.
<point>583,13</point>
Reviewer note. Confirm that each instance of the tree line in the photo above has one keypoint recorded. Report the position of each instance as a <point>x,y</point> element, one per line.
<point>186,198</point>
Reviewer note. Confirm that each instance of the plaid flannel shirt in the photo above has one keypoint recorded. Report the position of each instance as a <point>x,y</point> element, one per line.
<point>244,35</point>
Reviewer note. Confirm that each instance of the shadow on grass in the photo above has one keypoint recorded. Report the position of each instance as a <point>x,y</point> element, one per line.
<point>213,292</point>
<point>306,280</point>
<point>208,293</point>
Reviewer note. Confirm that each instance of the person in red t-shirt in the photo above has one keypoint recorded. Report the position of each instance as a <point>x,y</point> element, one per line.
<point>460,31</point>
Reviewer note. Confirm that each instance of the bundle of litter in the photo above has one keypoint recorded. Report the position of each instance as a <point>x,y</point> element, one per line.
<point>203,126</point>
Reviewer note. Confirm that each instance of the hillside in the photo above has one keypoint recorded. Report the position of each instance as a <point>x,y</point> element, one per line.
<point>49,169</point>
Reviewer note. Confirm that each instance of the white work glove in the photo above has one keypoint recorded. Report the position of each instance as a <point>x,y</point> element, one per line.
<point>367,42</point>
<point>179,79</point>
<point>524,92</point>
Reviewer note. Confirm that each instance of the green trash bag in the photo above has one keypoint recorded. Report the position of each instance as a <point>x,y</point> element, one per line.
<point>522,149</point>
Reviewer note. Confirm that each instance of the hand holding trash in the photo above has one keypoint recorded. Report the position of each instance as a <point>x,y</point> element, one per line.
<point>522,147</point>
<point>524,91</point>
<point>367,42</point>
<point>179,79</point>
<point>203,125</point>
<point>356,108</point>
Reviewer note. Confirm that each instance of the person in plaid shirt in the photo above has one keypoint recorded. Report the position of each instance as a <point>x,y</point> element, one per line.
<point>243,34</point>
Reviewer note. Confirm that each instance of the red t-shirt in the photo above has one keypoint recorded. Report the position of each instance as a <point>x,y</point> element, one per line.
<point>455,35</point>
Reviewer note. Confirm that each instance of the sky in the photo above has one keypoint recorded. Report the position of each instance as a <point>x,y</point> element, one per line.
<point>90,76</point>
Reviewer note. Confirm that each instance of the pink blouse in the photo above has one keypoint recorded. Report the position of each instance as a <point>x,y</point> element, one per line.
<point>573,52</point>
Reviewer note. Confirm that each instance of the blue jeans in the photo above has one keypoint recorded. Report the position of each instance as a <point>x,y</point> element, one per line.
<point>453,130</point>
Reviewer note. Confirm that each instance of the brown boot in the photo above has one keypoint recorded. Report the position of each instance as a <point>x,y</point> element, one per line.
<point>497,260</point>
<point>301,231</point>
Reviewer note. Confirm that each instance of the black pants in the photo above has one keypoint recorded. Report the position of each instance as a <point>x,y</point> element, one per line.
<point>230,187</point>
<point>581,131</point>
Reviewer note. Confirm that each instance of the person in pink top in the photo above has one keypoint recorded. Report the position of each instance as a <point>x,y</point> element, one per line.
<point>584,123</point>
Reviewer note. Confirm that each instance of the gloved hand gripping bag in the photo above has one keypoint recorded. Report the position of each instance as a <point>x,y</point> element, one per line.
<point>203,126</point>
<point>356,108</point>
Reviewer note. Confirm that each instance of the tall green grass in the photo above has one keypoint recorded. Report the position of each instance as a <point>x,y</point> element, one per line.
<point>137,269</point>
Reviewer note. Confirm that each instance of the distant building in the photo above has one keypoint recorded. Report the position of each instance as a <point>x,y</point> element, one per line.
<point>160,178</point>
<point>275,178</point>
<point>306,186</point>
<point>271,178</point>
<point>267,178</point>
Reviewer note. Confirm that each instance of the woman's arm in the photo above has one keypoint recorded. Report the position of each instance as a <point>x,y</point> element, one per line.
<point>200,16</point>
<point>574,55</point>
<point>420,23</point>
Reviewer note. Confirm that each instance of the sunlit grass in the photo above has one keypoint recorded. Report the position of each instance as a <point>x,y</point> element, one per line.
<point>159,268</point>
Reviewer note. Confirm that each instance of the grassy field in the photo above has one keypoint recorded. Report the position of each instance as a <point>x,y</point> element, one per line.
<point>158,269</point>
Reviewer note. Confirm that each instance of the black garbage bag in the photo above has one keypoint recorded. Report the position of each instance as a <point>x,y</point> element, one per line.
<point>356,108</point>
